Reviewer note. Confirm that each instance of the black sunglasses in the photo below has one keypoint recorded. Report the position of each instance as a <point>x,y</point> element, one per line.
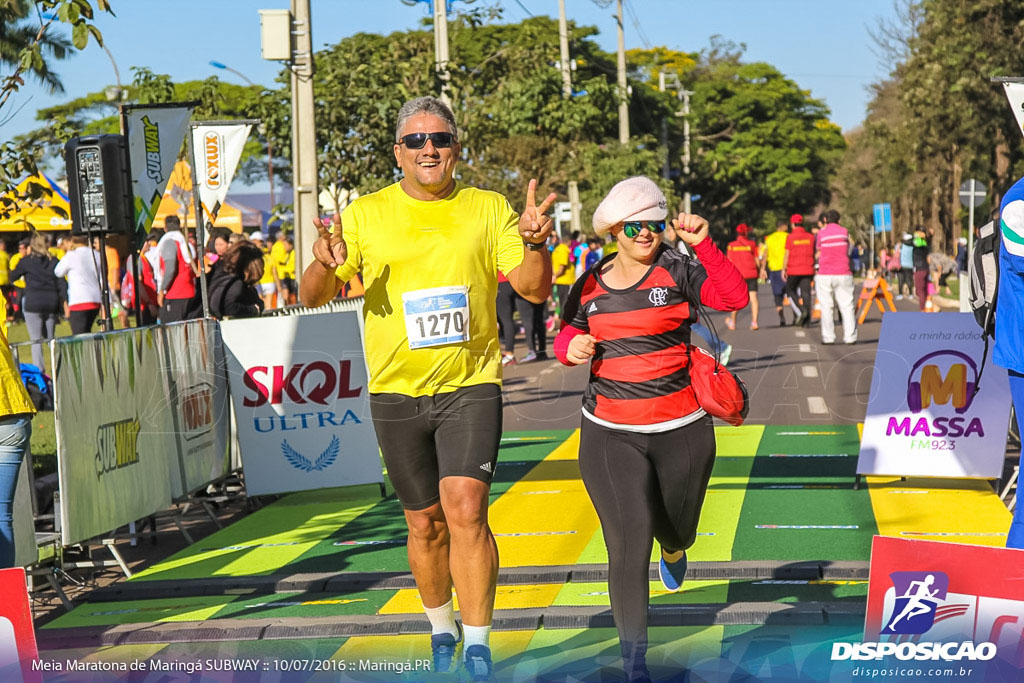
<point>419,140</point>
<point>633,228</point>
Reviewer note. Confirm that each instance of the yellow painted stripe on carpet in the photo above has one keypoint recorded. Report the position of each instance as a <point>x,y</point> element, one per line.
<point>949,510</point>
<point>545,518</point>
<point>407,600</point>
<point>278,536</point>
<point>738,441</point>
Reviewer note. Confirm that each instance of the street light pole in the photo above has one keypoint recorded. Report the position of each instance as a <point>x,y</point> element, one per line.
<point>304,151</point>
<point>270,145</point>
<point>563,47</point>
<point>623,92</point>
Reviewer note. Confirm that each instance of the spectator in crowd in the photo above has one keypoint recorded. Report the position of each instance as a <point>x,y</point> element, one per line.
<point>961,255</point>
<point>44,297</point>
<point>267,286</point>
<point>905,275</point>
<point>282,256</point>
<point>232,287</point>
<point>941,268</point>
<point>16,411</point>
<point>5,269</point>
<point>798,271</point>
<point>562,273</point>
<point>147,293</point>
<point>17,284</point>
<point>177,285</point>
<point>742,253</point>
<point>593,254</point>
<point>919,258</point>
<point>82,267</point>
<point>215,248</point>
<point>856,259</point>
<point>505,306</point>
<point>772,259</point>
<point>834,279</point>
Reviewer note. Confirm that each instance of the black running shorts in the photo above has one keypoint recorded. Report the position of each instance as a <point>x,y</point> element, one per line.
<point>752,284</point>
<point>426,438</point>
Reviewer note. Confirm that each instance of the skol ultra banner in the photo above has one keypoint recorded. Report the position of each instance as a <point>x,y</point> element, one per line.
<point>115,435</point>
<point>924,416</point>
<point>298,387</point>
<point>154,136</point>
<point>216,148</point>
<point>1015,94</point>
<point>17,639</point>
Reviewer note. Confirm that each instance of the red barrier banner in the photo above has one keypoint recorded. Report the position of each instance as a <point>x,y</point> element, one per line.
<point>939,601</point>
<point>17,638</point>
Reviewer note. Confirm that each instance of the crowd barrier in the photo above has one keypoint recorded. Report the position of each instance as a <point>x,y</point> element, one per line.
<point>148,416</point>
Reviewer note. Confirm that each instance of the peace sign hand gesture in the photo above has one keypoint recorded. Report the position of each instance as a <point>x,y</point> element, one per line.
<point>330,248</point>
<point>534,225</point>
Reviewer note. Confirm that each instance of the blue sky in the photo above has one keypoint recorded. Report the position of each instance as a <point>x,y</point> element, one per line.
<point>822,44</point>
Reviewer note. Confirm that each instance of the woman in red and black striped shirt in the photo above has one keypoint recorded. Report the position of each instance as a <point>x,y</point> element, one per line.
<point>646,446</point>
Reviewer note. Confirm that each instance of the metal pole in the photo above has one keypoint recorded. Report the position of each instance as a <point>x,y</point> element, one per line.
<point>108,321</point>
<point>664,130</point>
<point>623,93</point>
<point>136,248</point>
<point>200,232</point>
<point>686,146</point>
<point>441,46</point>
<point>871,262</point>
<point>304,151</point>
<point>970,222</point>
<point>563,46</point>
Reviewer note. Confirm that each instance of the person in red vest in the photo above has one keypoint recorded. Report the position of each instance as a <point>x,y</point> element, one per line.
<point>178,285</point>
<point>798,271</point>
<point>742,252</point>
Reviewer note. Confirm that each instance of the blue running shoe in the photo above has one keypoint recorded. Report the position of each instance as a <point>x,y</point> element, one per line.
<point>672,573</point>
<point>478,663</point>
<point>443,647</point>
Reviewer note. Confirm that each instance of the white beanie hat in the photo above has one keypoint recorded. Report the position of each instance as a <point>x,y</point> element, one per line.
<point>633,199</point>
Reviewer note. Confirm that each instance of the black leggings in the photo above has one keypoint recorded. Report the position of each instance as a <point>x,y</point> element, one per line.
<point>905,276</point>
<point>505,305</point>
<point>82,320</point>
<point>644,487</point>
<point>532,317</point>
<point>799,286</point>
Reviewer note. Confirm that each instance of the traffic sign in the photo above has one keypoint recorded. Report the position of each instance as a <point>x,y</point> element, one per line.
<point>972,192</point>
<point>883,217</point>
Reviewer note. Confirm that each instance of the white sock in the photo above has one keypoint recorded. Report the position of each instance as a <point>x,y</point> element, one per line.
<point>442,619</point>
<point>477,635</point>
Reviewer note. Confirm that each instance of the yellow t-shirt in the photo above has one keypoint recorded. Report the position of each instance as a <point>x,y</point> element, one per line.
<point>403,245</point>
<point>775,245</point>
<point>282,260</point>
<point>559,258</point>
<point>20,282</point>
<point>5,265</point>
<point>14,398</point>
<point>268,270</point>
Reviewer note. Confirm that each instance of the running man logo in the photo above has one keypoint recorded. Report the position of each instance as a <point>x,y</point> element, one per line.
<point>151,131</point>
<point>117,446</point>
<point>918,595</point>
<point>212,151</point>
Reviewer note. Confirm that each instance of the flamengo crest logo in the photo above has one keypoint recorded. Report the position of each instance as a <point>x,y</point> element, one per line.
<point>301,462</point>
<point>918,604</point>
<point>658,296</point>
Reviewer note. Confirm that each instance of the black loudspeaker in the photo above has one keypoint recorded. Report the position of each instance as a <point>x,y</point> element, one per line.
<point>99,189</point>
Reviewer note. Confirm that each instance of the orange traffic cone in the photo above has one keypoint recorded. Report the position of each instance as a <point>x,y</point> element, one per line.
<point>816,313</point>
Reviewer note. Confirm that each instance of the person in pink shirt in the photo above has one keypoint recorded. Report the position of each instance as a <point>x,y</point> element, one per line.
<point>834,280</point>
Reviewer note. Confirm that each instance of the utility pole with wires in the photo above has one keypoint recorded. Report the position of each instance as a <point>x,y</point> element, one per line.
<point>563,46</point>
<point>666,81</point>
<point>623,92</point>
<point>441,47</point>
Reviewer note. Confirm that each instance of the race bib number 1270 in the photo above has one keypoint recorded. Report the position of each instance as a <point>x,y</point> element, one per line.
<point>436,316</point>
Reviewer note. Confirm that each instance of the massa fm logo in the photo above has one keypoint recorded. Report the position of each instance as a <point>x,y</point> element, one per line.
<point>937,380</point>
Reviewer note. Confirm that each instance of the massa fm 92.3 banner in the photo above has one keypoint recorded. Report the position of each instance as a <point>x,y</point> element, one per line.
<point>924,416</point>
<point>298,388</point>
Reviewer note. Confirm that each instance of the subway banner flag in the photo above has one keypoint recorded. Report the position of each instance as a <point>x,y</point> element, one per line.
<point>17,639</point>
<point>927,415</point>
<point>155,134</point>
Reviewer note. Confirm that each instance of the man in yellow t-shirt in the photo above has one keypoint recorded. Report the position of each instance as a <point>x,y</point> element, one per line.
<point>772,259</point>
<point>562,273</point>
<point>282,258</point>
<point>429,249</point>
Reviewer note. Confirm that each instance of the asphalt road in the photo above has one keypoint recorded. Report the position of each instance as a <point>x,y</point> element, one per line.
<point>792,377</point>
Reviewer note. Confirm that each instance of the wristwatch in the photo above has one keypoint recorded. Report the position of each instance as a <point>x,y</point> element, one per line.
<point>534,246</point>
